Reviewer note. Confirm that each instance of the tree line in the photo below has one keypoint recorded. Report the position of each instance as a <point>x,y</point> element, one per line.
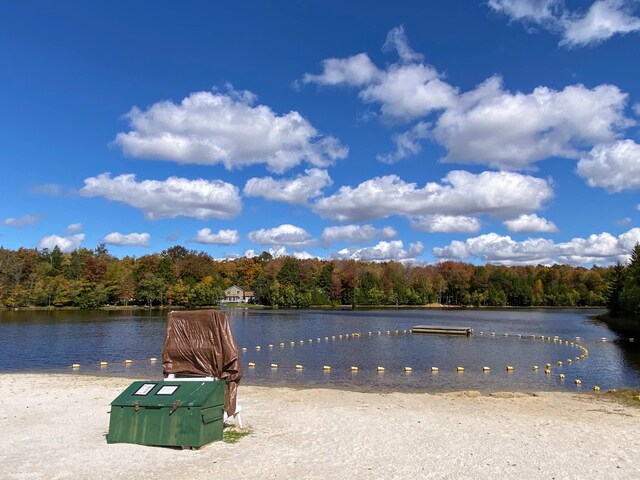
<point>179,277</point>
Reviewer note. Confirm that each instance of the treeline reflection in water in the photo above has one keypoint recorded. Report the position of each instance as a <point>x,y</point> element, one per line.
<point>51,341</point>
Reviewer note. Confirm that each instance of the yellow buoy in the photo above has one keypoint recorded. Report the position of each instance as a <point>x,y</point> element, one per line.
<point>569,361</point>
<point>486,369</point>
<point>326,367</point>
<point>354,369</point>
<point>258,347</point>
<point>380,369</point>
<point>493,334</point>
<point>318,339</point>
<point>301,342</point>
<point>270,345</point>
<point>292,343</point>
<point>347,336</point>
<point>460,369</point>
<point>547,365</point>
<point>578,381</point>
<point>251,364</point>
<point>281,344</point>
<point>310,340</point>
<point>75,365</point>
<point>128,361</point>
<point>435,369</point>
<point>547,372</point>
<point>340,337</point>
<point>559,363</point>
<point>596,388</point>
<point>153,359</point>
<point>299,367</point>
<point>103,364</point>
<point>535,367</point>
<point>274,365</point>
<point>408,369</point>
<point>509,368</point>
<point>577,359</point>
<point>561,376</point>
<point>244,349</point>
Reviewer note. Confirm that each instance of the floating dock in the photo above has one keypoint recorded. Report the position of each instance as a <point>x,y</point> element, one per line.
<point>439,330</point>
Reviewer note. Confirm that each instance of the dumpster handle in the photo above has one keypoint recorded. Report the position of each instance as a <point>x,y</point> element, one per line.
<point>136,406</point>
<point>175,405</point>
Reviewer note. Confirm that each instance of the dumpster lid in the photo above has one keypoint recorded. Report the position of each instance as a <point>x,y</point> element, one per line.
<point>156,393</point>
<point>200,343</point>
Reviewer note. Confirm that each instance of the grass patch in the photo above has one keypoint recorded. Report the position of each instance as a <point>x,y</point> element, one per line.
<point>234,436</point>
<point>630,397</point>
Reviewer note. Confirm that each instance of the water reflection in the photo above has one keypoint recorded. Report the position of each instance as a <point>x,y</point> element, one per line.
<point>53,340</point>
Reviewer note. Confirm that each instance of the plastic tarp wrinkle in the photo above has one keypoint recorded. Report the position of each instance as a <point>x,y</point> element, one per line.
<point>199,343</point>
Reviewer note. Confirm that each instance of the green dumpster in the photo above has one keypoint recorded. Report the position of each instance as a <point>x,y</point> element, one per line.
<point>168,413</point>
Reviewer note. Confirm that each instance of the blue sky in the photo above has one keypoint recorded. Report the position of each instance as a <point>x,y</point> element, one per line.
<point>497,131</point>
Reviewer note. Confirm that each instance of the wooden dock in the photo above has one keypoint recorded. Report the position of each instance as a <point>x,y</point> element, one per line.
<point>439,330</point>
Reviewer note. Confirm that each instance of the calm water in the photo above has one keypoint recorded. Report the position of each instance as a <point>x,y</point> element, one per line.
<point>52,341</point>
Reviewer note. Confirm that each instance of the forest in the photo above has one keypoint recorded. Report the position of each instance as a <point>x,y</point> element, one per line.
<point>179,277</point>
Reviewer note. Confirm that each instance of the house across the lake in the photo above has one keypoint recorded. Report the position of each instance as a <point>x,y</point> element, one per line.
<point>235,294</point>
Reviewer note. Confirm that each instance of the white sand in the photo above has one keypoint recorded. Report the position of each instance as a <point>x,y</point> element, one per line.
<point>54,427</point>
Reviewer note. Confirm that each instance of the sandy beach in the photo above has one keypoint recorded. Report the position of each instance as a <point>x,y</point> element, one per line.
<point>54,427</point>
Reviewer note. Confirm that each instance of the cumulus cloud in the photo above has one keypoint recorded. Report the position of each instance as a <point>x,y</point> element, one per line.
<point>491,126</point>
<point>73,228</point>
<point>129,240</point>
<point>173,197</point>
<point>223,237</point>
<point>355,70</point>
<point>23,221</point>
<point>209,128</point>
<point>407,143</point>
<point>500,194</point>
<point>65,244</point>
<point>600,249</point>
<point>296,191</point>
<point>446,224</point>
<point>357,233</point>
<point>277,252</point>
<point>614,167</point>
<point>530,224</point>
<point>383,252</point>
<point>601,21</point>
<point>488,125</point>
<point>284,235</point>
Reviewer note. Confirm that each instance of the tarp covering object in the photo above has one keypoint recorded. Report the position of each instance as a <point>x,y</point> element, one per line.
<point>199,343</point>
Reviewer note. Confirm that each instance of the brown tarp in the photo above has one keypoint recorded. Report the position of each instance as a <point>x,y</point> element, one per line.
<point>199,343</point>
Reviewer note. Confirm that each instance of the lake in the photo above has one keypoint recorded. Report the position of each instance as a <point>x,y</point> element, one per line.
<point>51,341</point>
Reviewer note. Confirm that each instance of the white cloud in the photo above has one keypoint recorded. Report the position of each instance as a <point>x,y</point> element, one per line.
<point>297,191</point>
<point>130,239</point>
<point>202,199</point>
<point>405,91</point>
<point>23,221</point>
<point>603,19</point>
<point>500,194</point>
<point>383,252</point>
<point>211,128</point>
<point>487,125</point>
<point>490,126</point>
<point>357,233</point>
<point>277,252</point>
<point>614,166</point>
<point>223,237</point>
<point>600,249</point>
<point>407,143</point>
<point>446,224</point>
<point>530,224</point>
<point>397,40</point>
<point>65,244</point>
<point>284,235</point>
<point>355,70</point>
<point>73,228</point>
